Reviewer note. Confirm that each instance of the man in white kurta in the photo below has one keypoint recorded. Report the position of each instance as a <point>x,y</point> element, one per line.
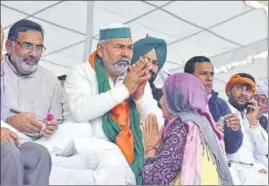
<point>246,162</point>
<point>35,91</point>
<point>84,103</point>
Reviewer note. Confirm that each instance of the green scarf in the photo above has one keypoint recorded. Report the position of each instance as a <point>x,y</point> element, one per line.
<point>112,128</point>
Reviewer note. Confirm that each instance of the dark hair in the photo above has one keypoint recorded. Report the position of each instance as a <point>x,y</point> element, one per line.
<point>247,76</point>
<point>63,77</point>
<point>189,65</point>
<point>23,26</point>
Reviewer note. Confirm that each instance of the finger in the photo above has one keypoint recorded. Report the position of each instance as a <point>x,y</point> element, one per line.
<point>141,73</point>
<point>235,128</point>
<point>143,79</point>
<point>37,124</point>
<point>10,139</point>
<point>151,127</point>
<point>253,107</point>
<point>29,124</point>
<point>51,127</point>
<point>30,114</point>
<point>135,66</point>
<point>233,125</point>
<point>33,127</point>
<point>152,123</point>
<point>253,102</point>
<point>233,119</point>
<point>229,116</point>
<point>47,132</point>
<point>148,127</point>
<point>15,138</point>
<point>44,134</point>
<point>155,122</point>
<point>139,67</point>
<point>145,125</point>
<point>52,122</point>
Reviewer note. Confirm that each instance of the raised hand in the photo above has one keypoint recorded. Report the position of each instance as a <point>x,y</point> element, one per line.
<point>137,74</point>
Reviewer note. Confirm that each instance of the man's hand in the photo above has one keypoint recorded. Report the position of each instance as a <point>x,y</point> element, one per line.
<point>25,122</point>
<point>141,88</point>
<point>253,114</point>
<point>8,135</point>
<point>50,128</point>
<point>233,122</point>
<point>137,74</point>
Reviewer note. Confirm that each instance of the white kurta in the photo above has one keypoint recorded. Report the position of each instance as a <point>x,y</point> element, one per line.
<point>39,92</point>
<point>83,103</point>
<point>254,146</point>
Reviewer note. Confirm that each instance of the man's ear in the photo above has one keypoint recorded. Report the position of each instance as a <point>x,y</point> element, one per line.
<point>100,50</point>
<point>8,45</point>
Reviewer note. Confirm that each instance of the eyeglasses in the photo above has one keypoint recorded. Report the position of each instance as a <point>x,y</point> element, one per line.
<point>30,46</point>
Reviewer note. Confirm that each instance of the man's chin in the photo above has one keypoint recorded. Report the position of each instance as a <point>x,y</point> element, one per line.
<point>241,106</point>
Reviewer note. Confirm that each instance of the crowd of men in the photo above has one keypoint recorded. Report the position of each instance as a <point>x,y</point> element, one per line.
<point>105,122</point>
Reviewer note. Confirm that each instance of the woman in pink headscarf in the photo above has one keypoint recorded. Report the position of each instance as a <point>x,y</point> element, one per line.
<point>191,151</point>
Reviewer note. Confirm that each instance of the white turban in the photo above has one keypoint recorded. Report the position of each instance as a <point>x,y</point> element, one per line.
<point>262,88</point>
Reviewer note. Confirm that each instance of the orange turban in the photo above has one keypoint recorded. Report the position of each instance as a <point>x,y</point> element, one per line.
<point>235,79</point>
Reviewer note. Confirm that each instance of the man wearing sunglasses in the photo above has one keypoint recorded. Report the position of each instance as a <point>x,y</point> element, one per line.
<point>35,91</point>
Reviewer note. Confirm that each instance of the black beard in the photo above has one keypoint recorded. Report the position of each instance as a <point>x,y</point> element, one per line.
<point>238,106</point>
<point>153,76</point>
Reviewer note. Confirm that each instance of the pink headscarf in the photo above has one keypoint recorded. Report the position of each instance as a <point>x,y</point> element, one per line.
<point>186,93</point>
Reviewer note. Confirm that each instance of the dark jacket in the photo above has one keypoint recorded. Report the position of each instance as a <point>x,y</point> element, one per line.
<point>156,92</point>
<point>218,107</point>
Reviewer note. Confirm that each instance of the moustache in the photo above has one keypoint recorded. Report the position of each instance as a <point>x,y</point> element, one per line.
<point>30,58</point>
<point>243,97</point>
<point>123,60</point>
<point>153,76</point>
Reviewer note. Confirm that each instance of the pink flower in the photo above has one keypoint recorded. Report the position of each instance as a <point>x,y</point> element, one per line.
<point>50,117</point>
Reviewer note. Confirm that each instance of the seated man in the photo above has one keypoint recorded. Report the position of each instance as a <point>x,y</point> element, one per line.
<point>21,164</point>
<point>201,67</point>
<point>115,101</point>
<point>248,161</point>
<point>36,91</point>
<point>262,99</point>
<point>155,50</point>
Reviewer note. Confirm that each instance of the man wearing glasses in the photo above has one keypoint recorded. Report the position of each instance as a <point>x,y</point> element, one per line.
<point>35,91</point>
<point>22,163</point>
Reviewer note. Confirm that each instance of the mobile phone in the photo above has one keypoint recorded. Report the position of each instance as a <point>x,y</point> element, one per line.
<point>249,109</point>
